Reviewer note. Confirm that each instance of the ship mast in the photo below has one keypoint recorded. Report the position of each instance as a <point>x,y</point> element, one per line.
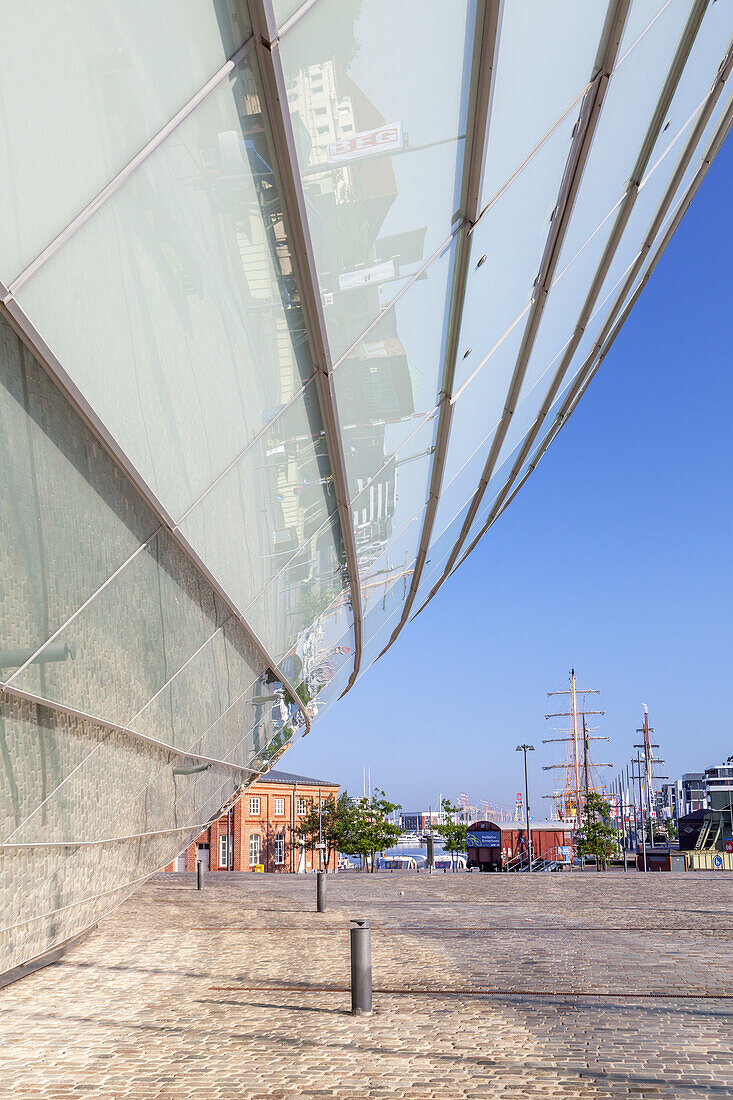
<point>578,770</point>
<point>576,761</point>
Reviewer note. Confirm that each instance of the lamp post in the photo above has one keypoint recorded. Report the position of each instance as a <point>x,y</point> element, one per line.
<point>525,749</point>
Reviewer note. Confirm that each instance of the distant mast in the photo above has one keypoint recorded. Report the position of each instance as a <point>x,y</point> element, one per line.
<point>570,800</point>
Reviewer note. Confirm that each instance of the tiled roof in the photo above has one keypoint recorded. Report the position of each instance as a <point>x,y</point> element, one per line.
<point>290,779</point>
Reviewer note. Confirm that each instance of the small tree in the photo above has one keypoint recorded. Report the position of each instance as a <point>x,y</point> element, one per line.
<point>452,833</point>
<point>597,837</point>
<point>333,824</point>
<point>355,827</point>
<point>369,829</point>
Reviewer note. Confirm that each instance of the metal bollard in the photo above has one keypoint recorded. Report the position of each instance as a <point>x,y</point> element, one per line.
<point>361,968</point>
<point>199,875</point>
<point>320,891</point>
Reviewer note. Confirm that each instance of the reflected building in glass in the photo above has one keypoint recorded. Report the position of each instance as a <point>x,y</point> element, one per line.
<point>293,299</point>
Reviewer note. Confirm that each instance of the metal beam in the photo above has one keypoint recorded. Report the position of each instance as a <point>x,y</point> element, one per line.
<point>618,316</point>
<point>601,347</point>
<point>483,65</point>
<point>291,188</point>
<point>590,112</point>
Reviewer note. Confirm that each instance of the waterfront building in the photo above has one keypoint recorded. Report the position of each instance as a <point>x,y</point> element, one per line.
<point>258,830</point>
<point>719,786</point>
<point>668,802</point>
<point>692,793</point>
<point>293,300</point>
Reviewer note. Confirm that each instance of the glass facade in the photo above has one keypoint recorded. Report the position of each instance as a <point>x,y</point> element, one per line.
<point>283,324</point>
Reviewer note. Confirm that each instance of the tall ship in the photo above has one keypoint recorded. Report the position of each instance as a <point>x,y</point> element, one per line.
<point>579,774</point>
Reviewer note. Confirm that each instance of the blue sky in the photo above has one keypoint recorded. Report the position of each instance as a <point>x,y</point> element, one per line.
<point>615,558</point>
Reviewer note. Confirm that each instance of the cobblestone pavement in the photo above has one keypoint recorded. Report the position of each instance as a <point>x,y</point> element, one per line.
<point>569,985</point>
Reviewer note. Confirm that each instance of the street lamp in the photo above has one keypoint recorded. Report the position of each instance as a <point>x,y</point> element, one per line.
<point>730,801</point>
<point>525,749</point>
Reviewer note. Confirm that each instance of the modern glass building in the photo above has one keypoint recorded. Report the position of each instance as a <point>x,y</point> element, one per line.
<point>293,298</point>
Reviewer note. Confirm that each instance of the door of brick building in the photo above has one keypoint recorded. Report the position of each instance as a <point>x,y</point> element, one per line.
<point>202,853</point>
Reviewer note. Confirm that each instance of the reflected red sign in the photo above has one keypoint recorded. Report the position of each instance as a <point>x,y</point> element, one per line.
<point>365,143</point>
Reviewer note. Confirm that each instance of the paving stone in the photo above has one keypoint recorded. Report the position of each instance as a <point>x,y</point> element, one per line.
<point>569,985</point>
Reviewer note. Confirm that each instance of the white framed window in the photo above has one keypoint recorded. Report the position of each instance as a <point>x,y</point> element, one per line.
<point>254,806</point>
<point>224,851</point>
<point>279,806</point>
<point>302,806</point>
<point>254,850</point>
<point>280,848</point>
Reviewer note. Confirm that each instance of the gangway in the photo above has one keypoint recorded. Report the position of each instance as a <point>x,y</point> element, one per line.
<point>550,861</point>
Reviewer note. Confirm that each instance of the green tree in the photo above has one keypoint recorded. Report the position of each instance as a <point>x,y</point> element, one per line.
<point>369,830</point>
<point>452,832</point>
<point>356,827</point>
<point>598,836</point>
<point>333,824</point>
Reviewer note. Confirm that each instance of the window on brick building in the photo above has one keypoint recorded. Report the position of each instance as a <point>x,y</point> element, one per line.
<point>254,850</point>
<point>280,806</point>
<point>223,851</point>
<point>280,849</point>
<point>254,805</point>
<point>302,805</point>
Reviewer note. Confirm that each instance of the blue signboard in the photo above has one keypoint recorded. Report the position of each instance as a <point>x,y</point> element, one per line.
<point>717,862</point>
<point>490,839</point>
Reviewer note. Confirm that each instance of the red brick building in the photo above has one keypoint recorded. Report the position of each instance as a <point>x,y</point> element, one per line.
<point>257,830</point>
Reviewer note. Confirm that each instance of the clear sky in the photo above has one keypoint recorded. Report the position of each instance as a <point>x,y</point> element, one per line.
<point>615,558</point>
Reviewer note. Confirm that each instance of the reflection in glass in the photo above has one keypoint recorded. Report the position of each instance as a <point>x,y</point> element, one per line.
<point>262,511</point>
<point>175,308</point>
<point>84,86</point>
<point>370,132</point>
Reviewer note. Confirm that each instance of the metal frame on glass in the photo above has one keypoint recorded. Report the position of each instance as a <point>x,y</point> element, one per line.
<point>486,44</point>
<point>618,314</point>
<point>273,83</point>
<point>582,141</point>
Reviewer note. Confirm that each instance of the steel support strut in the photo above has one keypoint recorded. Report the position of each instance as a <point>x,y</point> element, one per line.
<point>610,329</point>
<point>618,319</point>
<point>584,133</point>
<point>291,188</point>
<point>483,66</point>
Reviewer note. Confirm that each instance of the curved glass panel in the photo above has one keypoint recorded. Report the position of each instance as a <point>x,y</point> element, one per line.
<point>546,54</point>
<point>175,308</point>
<point>254,520</point>
<point>370,130</point>
<point>390,382</point>
<point>84,86</point>
<point>507,246</point>
<point>68,519</point>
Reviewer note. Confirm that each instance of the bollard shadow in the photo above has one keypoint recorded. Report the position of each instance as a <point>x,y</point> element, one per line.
<point>275,1007</point>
